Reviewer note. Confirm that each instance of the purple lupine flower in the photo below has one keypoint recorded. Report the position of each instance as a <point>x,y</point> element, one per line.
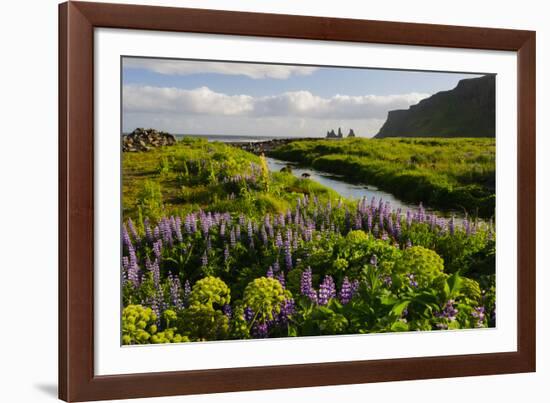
<point>269,272</point>
<point>133,231</point>
<point>281,278</point>
<point>248,314</point>
<point>308,234</point>
<point>412,281</point>
<point>421,212</point>
<point>287,310</point>
<point>125,265</point>
<point>264,235</point>
<point>154,303</point>
<point>204,259</point>
<point>355,287</point>
<point>176,223</point>
<point>194,226</point>
<point>288,254</point>
<point>387,281</point>
<point>148,230</point>
<point>165,231</point>
<point>358,221</point>
<point>467,227</point>
<point>270,229</point>
<point>374,261</point>
<point>154,268</point>
<point>479,314</point>
<point>206,222</point>
<point>133,269</point>
<point>249,230</point>
<point>452,225</point>
<point>345,291</point>
<point>186,290</point>
<point>448,312</point>
<point>156,232</point>
<point>306,286</point>
<point>369,221</point>
<point>232,240</point>
<point>175,291</point>
<point>126,241</point>
<point>327,290</point>
<point>187,224</point>
<point>260,330</point>
<point>276,266</point>
<point>279,240</point>
<point>227,311</point>
<point>157,249</point>
<point>242,220</point>
<point>289,216</point>
<point>222,229</point>
<point>397,229</point>
<point>409,218</point>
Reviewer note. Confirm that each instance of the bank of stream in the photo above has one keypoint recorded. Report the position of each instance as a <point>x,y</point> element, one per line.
<point>350,190</point>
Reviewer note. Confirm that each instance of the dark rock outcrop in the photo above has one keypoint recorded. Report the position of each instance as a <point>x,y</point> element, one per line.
<point>145,139</point>
<point>468,110</point>
<point>332,135</point>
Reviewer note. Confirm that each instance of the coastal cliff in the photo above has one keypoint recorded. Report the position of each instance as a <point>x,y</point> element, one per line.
<point>468,110</point>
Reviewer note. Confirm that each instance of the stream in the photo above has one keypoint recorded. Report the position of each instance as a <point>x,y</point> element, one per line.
<point>349,190</point>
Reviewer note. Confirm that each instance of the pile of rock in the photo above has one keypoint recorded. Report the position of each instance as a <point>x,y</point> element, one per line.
<point>145,139</point>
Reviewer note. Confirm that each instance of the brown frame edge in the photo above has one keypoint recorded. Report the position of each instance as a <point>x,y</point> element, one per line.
<point>77,21</point>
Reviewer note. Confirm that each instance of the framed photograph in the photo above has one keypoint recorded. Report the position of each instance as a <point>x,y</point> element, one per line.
<point>256,201</point>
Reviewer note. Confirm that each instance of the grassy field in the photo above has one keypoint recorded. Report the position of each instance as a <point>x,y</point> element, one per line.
<point>195,174</point>
<point>217,247</point>
<point>445,174</point>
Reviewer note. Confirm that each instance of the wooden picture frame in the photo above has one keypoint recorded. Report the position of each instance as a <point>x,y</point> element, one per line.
<point>77,21</point>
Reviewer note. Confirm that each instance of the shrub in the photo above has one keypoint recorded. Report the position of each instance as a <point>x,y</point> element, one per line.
<point>264,296</point>
<point>424,264</point>
<point>138,324</point>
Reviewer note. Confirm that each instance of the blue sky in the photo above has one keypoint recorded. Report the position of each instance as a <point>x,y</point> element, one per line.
<point>199,97</point>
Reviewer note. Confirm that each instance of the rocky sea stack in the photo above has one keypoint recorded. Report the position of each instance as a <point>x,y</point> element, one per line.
<point>146,139</point>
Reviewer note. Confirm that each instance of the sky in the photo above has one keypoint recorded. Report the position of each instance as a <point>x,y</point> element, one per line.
<point>230,98</point>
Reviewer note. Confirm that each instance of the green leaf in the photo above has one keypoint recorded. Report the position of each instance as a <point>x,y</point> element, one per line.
<point>389,300</point>
<point>399,326</point>
<point>455,284</point>
<point>400,307</point>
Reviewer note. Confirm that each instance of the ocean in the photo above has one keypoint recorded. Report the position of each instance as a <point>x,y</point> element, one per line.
<point>226,138</point>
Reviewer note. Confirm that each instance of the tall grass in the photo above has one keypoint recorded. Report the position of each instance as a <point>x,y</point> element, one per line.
<point>454,174</point>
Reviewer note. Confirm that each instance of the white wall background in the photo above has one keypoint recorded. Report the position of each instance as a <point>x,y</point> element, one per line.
<point>28,198</point>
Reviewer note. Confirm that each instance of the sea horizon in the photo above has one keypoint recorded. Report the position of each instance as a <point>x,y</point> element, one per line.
<point>234,138</point>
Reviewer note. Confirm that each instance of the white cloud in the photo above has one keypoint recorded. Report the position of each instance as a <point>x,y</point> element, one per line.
<point>200,101</point>
<point>298,104</point>
<point>181,67</point>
